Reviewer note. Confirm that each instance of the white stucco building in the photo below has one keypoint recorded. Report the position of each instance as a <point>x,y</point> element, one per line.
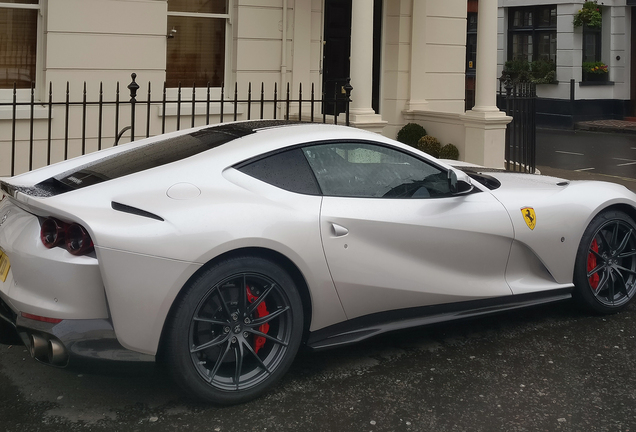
<point>544,30</point>
<point>406,60</point>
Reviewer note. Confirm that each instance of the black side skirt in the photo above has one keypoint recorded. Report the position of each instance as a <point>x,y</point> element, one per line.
<point>358,329</point>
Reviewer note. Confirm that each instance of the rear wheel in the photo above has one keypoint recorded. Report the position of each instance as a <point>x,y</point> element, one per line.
<point>236,330</point>
<point>605,270</point>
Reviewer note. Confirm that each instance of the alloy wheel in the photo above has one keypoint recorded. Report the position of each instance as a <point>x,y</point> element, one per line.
<point>240,331</point>
<point>611,263</point>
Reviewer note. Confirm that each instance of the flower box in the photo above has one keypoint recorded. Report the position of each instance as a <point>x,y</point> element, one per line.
<point>595,77</point>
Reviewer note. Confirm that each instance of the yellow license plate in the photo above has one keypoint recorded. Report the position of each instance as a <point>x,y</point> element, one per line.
<point>5,265</point>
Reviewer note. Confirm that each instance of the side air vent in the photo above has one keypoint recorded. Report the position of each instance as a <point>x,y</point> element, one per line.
<point>134,210</point>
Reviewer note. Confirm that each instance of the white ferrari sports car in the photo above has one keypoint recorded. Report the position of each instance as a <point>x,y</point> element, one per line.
<point>220,250</point>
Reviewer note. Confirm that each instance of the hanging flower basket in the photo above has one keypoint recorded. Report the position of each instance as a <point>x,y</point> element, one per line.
<point>589,15</point>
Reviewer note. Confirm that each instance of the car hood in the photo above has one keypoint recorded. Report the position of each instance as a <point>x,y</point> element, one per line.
<point>510,180</point>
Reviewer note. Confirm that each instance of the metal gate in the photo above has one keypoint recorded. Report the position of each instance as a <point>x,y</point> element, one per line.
<point>518,99</point>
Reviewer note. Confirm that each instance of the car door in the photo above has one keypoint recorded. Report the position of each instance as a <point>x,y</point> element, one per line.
<point>395,237</point>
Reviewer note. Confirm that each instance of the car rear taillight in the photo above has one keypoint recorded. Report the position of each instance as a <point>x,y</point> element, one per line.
<point>78,242</point>
<point>52,233</point>
<point>41,318</point>
<point>73,236</point>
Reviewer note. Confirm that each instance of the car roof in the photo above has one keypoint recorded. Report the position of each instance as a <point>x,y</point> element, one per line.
<point>231,142</point>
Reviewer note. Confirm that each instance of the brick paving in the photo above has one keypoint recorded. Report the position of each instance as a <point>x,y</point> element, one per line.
<point>626,126</point>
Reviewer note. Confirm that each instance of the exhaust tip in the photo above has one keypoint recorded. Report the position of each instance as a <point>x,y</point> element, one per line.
<point>38,346</point>
<point>56,353</point>
<point>47,349</point>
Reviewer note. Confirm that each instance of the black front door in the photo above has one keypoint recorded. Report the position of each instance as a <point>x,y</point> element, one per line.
<point>336,54</point>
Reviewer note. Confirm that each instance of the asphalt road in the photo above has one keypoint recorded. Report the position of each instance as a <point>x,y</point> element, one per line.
<point>551,368</point>
<point>612,154</point>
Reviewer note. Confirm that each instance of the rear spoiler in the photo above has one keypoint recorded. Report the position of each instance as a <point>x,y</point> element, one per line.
<point>8,189</point>
<point>19,193</point>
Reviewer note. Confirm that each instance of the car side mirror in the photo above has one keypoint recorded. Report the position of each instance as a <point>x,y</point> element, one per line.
<point>459,184</point>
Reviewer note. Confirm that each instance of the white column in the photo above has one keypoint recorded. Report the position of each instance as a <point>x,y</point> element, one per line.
<point>417,99</point>
<point>361,113</point>
<point>486,80</point>
<point>301,57</point>
<point>484,125</point>
<point>362,56</point>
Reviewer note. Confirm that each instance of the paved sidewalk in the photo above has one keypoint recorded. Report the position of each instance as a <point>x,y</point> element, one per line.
<point>620,126</point>
<point>629,183</point>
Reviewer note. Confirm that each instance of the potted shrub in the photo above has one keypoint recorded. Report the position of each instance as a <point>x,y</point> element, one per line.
<point>449,151</point>
<point>543,71</point>
<point>538,71</point>
<point>410,134</point>
<point>430,145</point>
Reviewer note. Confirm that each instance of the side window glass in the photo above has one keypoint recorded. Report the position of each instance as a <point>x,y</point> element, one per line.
<point>373,171</point>
<point>287,170</point>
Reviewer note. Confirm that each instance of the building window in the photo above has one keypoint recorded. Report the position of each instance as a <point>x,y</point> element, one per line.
<point>471,55</point>
<point>591,44</point>
<point>18,43</point>
<point>532,33</point>
<point>196,42</point>
<point>471,43</point>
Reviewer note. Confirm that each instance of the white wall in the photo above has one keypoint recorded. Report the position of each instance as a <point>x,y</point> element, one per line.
<point>104,41</point>
<point>439,66</point>
<point>396,63</point>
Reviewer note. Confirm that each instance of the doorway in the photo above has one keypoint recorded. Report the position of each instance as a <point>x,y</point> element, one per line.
<point>337,54</point>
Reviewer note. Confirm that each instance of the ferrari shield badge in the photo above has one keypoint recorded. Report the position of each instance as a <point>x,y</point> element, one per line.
<point>529,216</point>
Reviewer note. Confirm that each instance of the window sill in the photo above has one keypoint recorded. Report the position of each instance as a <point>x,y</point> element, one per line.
<point>595,83</point>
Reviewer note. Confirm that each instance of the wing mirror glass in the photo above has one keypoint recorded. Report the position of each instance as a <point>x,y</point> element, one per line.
<point>459,183</point>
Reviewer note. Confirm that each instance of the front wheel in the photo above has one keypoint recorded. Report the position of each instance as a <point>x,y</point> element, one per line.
<point>605,269</point>
<point>236,330</point>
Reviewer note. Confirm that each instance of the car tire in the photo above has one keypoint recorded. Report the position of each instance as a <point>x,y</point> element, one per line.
<point>235,330</point>
<point>605,268</point>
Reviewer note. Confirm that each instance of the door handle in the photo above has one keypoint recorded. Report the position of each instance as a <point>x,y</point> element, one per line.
<point>339,230</point>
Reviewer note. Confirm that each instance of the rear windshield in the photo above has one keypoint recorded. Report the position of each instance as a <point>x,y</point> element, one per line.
<point>141,158</point>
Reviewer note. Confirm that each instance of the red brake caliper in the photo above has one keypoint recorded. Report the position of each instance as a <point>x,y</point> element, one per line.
<point>591,265</point>
<point>261,311</point>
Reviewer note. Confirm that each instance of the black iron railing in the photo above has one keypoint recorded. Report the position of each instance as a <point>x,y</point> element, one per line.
<point>75,127</point>
<point>518,99</point>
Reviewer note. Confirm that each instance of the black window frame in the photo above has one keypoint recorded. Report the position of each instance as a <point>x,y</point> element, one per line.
<point>533,28</point>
